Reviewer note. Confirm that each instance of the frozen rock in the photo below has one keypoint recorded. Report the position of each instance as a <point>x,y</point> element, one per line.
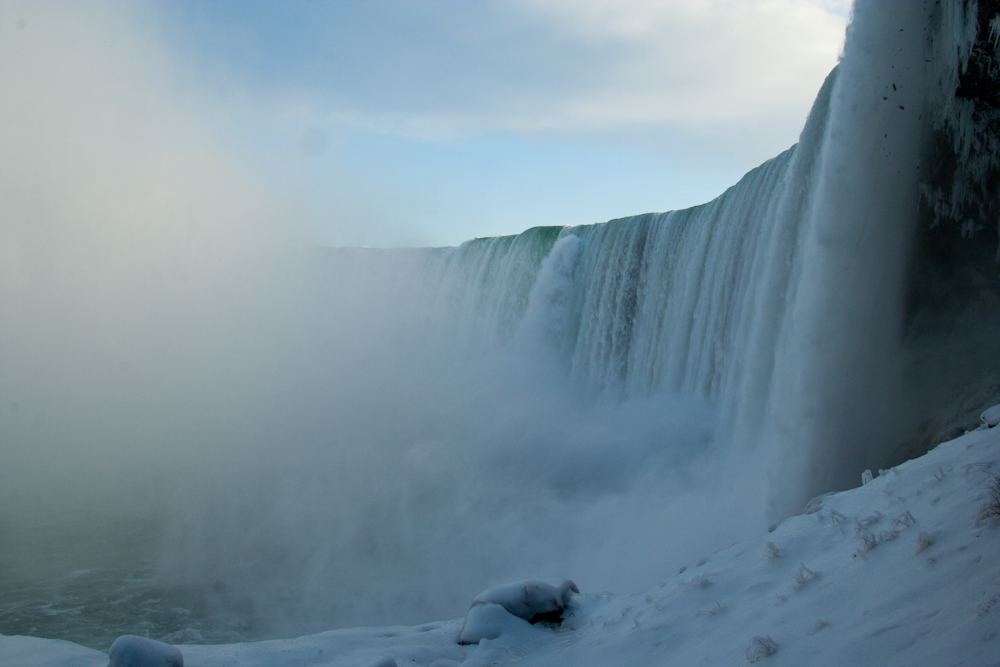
<point>387,661</point>
<point>532,600</point>
<point>991,416</point>
<point>134,651</point>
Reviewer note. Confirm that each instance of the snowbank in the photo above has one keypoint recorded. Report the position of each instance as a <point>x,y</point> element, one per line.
<point>903,570</point>
<point>133,651</point>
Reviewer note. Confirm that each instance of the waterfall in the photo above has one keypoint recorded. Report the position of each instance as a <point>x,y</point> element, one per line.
<point>783,301</point>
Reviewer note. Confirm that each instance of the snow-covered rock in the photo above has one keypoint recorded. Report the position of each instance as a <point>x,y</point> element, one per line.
<point>134,651</point>
<point>531,600</point>
<point>991,416</point>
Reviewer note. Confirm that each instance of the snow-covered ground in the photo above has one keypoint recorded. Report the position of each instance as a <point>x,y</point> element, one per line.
<point>904,570</point>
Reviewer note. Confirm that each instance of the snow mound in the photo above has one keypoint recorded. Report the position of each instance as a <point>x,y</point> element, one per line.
<point>991,416</point>
<point>489,621</point>
<point>134,651</point>
<point>507,606</point>
<point>761,647</point>
<point>533,600</point>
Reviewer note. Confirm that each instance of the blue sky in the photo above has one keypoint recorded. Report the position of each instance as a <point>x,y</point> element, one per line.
<point>427,122</point>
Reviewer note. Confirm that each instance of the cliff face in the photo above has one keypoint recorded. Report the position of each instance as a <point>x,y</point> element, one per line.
<point>962,187</point>
<point>953,311</point>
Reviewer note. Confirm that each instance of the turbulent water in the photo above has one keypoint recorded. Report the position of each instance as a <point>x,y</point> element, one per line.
<point>376,437</point>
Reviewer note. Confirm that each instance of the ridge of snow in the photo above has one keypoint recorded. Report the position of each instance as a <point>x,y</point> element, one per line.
<point>901,570</point>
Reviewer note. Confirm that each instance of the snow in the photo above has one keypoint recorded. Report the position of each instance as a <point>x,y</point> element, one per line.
<point>903,571</point>
<point>760,648</point>
<point>489,621</point>
<point>991,416</point>
<point>133,651</point>
<point>529,599</point>
<point>507,608</point>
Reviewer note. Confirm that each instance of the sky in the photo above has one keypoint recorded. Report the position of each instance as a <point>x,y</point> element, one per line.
<point>401,123</point>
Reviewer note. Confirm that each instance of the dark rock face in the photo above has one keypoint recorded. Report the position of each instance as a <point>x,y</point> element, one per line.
<point>959,229</point>
<point>952,326</point>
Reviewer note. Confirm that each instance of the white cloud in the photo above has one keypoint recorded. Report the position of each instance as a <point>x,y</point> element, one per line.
<point>596,65</point>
